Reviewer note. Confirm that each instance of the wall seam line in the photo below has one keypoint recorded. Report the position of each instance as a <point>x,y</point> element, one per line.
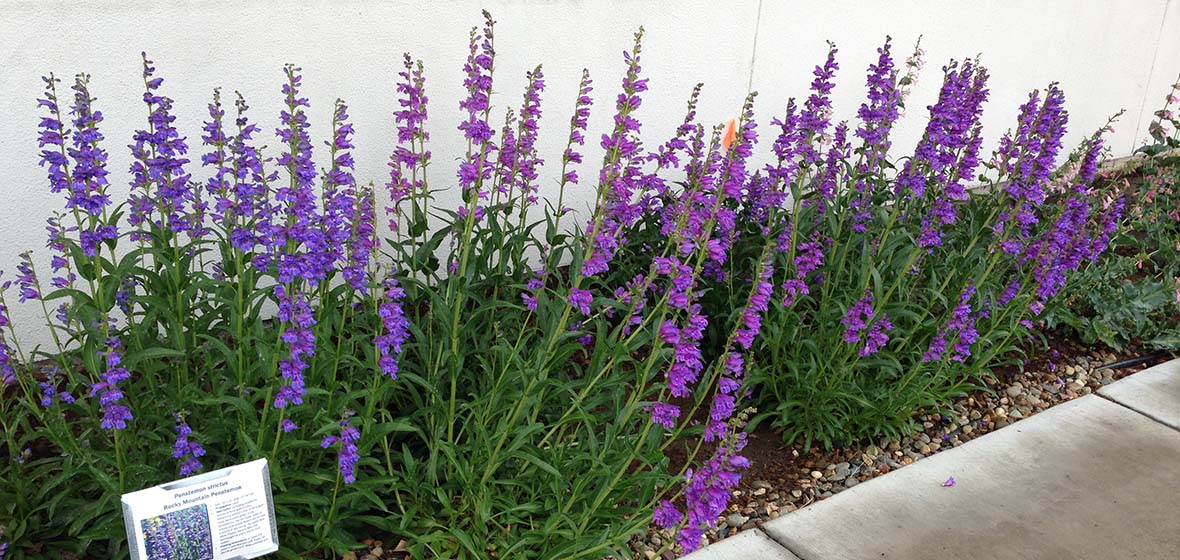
<point>754,48</point>
<point>1159,41</point>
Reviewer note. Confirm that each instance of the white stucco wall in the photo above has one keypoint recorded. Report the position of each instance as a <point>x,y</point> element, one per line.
<point>1107,55</point>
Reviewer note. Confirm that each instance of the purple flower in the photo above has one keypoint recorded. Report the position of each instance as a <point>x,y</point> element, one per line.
<point>114,414</point>
<point>348,456</point>
<point>477,165</point>
<point>288,425</point>
<point>857,317</point>
<point>877,337</point>
<point>407,164</point>
<point>348,218</point>
<point>960,328</point>
<point>301,247</point>
<point>580,300</point>
<point>859,320</point>
<point>525,160</point>
<point>27,280</point>
<point>7,370</point>
<point>187,449</point>
<point>664,414</point>
<point>621,172</point>
<point>49,390</point>
<point>708,491</point>
<point>295,314</point>
<point>815,117</point>
<point>159,162</point>
<point>1027,157</point>
<point>666,515</point>
<point>250,209</point>
<point>395,328</point>
<point>757,305</point>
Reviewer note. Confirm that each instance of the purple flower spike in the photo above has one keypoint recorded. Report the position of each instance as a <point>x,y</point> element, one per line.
<point>348,456</point>
<point>580,300</point>
<point>407,165</point>
<point>621,172</point>
<point>860,325</point>
<point>27,280</point>
<point>187,449</point>
<point>114,414</point>
<point>295,313</point>
<point>477,165</point>
<point>396,328</point>
<point>7,370</point>
<point>160,187</point>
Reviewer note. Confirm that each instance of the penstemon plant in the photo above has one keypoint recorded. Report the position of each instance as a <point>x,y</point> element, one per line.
<point>898,286</point>
<point>442,384</point>
<point>1131,297</point>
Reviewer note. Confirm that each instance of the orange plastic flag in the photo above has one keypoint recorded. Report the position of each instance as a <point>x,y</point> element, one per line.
<point>730,135</point>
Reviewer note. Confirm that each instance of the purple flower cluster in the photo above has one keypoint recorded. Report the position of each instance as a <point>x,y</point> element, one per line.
<point>218,185</point>
<point>88,191</point>
<point>49,391</point>
<point>395,328</point>
<point>960,329</point>
<point>621,173</point>
<point>734,183</point>
<point>114,414</point>
<point>249,208</point>
<point>187,449</point>
<point>300,245</point>
<point>948,153</point>
<point>529,296</point>
<point>7,369</point>
<point>526,161</point>
<point>756,307</point>
<point>706,494</point>
<point>295,312</point>
<point>1027,157</point>
<point>477,165</point>
<point>363,241</point>
<point>27,280</point>
<point>578,123</point>
<point>159,162</point>
<point>581,299</point>
<point>861,324</point>
<point>348,456</point>
<point>57,243</point>
<point>816,115</point>
<point>410,154</point>
<point>86,188</point>
<point>348,216</point>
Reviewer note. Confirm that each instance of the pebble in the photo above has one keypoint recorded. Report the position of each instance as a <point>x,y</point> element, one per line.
<point>736,520</point>
<point>852,481</point>
<point>1015,389</point>
<point>816,474</point>
<point>842,471</point>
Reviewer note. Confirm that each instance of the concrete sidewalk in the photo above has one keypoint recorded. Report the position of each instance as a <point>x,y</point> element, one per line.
<point>1095,478</point>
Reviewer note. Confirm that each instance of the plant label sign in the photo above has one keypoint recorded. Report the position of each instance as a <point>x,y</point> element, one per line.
<point>227,514</point>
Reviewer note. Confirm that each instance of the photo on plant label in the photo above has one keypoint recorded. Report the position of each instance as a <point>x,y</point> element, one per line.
<point>180,535</point>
